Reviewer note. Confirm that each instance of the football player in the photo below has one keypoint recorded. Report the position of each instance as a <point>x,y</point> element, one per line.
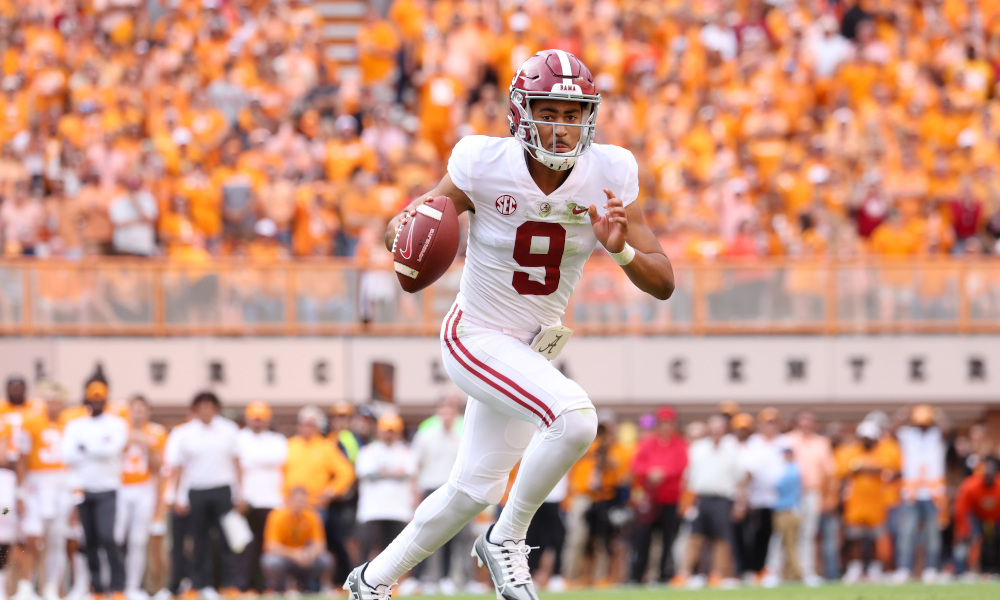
<point>540,202</point>
<point>13,412</point>
<point>48,500</point>
<point>137,500</point>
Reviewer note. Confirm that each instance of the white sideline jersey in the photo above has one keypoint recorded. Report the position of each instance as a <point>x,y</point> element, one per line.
<point>527,250</point>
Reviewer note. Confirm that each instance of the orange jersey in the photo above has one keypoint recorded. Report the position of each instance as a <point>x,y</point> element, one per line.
<point>119,409</point>
<point>135,466</point>
<point>14,417</point>
<point>866,473</point>
<point>44,443</point>
<point>6,442</point>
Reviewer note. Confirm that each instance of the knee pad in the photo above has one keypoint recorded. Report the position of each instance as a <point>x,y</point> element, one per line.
<point>575,428</point>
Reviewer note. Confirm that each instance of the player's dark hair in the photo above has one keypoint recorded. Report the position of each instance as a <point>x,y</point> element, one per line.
<point>206,396</point>
<point>139,398</point>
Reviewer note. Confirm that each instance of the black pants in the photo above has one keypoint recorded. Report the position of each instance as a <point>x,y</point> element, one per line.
<point>97,516</point>
<point>207,509</point>
<point>753,536</point>
<point>339,517</point>
<point>250,575</point>
<point>180,558</point>
<point>376,535</point>
<point>546,530</point>
<point>662,519</point>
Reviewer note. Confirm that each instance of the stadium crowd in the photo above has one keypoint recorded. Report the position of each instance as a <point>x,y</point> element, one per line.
<point>211,508</point>
<point>200,128</point>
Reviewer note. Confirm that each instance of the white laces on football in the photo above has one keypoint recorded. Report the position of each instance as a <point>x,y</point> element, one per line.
<point>516,562</point>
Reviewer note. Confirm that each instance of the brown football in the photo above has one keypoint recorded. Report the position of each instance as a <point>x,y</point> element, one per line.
<point>426,245</point>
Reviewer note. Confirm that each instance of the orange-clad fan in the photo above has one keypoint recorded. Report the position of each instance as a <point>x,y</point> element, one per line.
<point>294,544</point>
<point>865,468</point>
<point>977,514</point>
<point>315,463</point>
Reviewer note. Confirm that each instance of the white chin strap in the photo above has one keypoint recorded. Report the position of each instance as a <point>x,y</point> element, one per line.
<point>557,161</point>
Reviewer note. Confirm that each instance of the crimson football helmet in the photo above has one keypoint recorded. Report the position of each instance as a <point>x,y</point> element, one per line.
<point>552,75</point>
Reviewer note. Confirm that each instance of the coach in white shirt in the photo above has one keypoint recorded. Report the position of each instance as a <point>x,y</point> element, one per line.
<point>385,470</point>
<point>206,461</point>
<point>262,455</point>
<point>93,447</point>
<point>716,477</point>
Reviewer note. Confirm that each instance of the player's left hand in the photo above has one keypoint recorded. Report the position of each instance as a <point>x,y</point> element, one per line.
<point>611,228</point>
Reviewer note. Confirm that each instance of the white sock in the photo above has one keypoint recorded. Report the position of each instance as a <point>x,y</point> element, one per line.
<point>548,458</point>
<point>438,519</point>
<point>81,573</point>
<point>3,584</point>
<point>55,557</point>
<point>135,563</point>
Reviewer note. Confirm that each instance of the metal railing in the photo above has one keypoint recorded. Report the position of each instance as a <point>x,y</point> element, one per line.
<point>333,297</point>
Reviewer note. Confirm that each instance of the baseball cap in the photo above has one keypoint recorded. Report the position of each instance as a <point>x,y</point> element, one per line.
<point>868,429</point>
<point>742,421</point>
<point>342,409</point>
<point>258,410</point>
<point>769,415</point>
<point>666,413</point>
<point>922,414</point>
<point>729,408</point>
<point>390,422</point>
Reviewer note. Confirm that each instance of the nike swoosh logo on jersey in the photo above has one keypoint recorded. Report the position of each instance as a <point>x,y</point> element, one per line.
<point>407,250</point>
<point>579,210</point>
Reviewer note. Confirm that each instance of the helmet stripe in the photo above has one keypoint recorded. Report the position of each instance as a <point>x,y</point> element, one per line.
<point>566,68</point>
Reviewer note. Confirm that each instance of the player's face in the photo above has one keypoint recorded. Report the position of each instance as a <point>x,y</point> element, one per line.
<point>205,411</point>
<point>557,137</point>
<point>308,428</point>
<point>340,422</point>
<point>807,422</point>
<point>53,407</point>
<point>139,411</point>
<point>257,425</point>
<point>298,500</point>
<point>16,392</point>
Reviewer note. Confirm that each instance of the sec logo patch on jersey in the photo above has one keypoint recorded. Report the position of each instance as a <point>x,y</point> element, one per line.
<point>506,205</point>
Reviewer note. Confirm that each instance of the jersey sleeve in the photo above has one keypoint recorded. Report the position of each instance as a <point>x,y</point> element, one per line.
<point>630,192</point>
<point>460,163</point>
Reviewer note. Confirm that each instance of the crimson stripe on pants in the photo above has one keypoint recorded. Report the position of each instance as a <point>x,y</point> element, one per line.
<point>453,320</point>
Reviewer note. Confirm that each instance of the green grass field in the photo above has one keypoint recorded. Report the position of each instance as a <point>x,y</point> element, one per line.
<point>989,591</point>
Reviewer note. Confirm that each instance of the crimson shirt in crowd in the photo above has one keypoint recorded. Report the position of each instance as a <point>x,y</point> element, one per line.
<point>669,456</point>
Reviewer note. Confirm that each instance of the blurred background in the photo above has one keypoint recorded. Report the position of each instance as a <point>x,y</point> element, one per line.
<point>193,195</point>
<point>226,168</point>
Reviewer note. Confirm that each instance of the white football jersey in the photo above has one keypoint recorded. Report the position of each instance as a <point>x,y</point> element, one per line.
<point>527,250</point>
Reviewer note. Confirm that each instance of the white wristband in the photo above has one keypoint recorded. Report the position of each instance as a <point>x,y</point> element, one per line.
<point>625,256</point>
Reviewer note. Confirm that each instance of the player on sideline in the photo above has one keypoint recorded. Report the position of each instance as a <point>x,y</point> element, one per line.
<point>541,201</point>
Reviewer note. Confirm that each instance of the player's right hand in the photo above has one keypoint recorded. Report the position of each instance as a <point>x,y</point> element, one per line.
<point>399,220</point>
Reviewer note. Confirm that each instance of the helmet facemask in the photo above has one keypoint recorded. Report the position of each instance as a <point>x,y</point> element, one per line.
<point>527,128</point>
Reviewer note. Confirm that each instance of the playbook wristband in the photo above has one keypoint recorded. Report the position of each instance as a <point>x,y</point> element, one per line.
<point>625,256</point>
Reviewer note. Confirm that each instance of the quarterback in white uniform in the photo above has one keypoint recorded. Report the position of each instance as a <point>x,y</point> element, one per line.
<point>540,203</point>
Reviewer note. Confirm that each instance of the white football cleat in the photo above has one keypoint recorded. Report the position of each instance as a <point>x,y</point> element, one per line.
<point>359,589</point>
<point>508,566</point>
